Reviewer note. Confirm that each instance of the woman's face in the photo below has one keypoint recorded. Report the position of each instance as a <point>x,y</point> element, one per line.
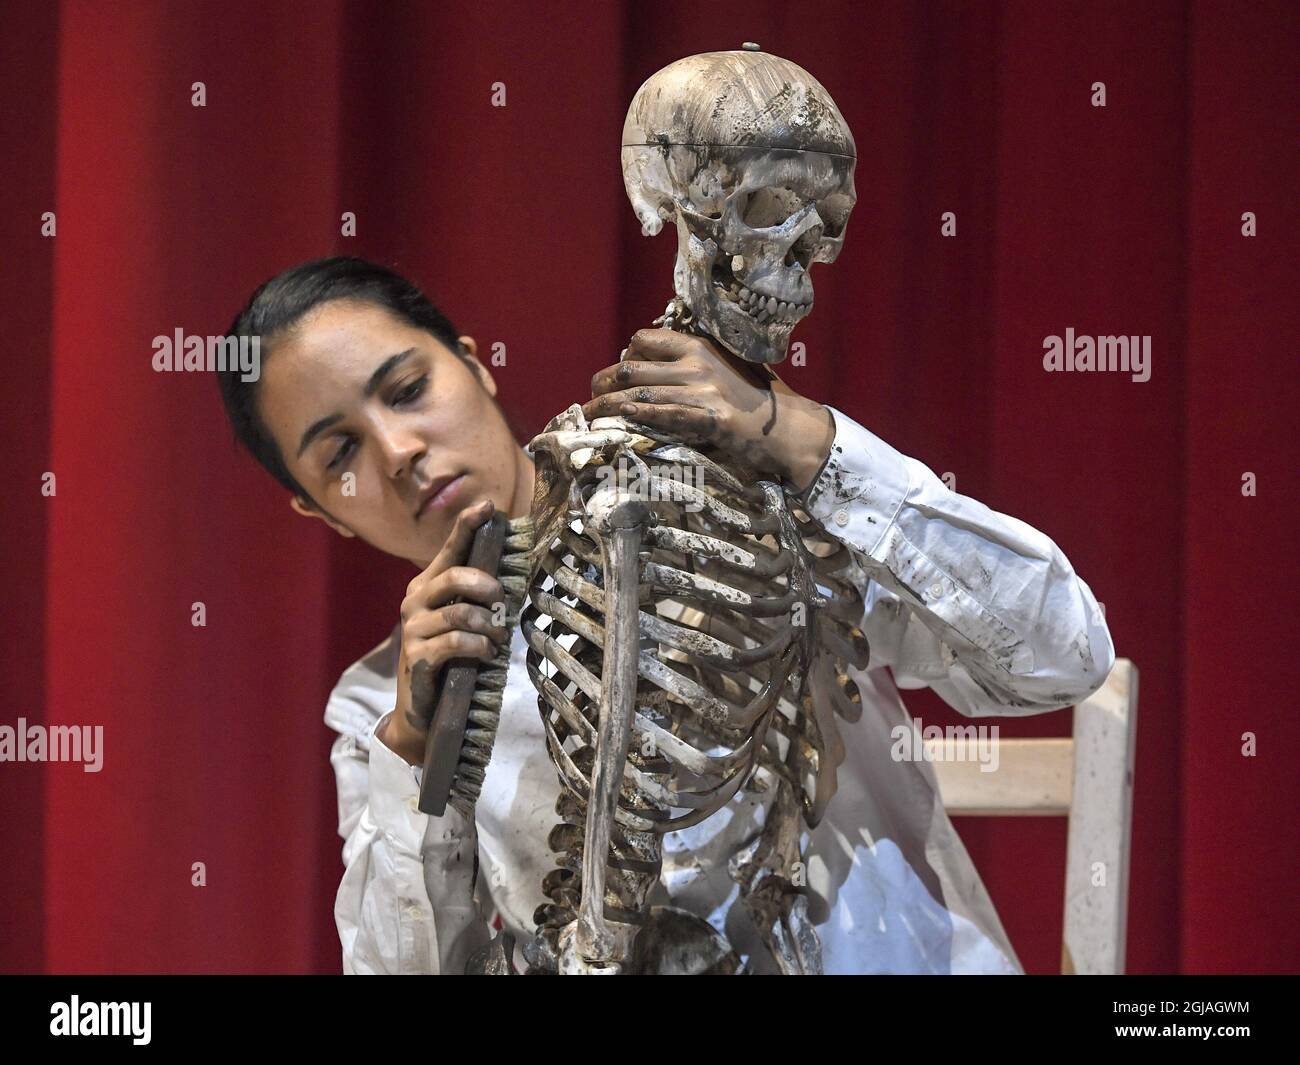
<point>390,432</point>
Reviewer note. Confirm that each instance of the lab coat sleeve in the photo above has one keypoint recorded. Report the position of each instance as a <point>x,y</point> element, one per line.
<point>977,605</point>
<point>393,854</point>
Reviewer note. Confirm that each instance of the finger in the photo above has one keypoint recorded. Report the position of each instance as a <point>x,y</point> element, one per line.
<point>456,547</point>
<point>458,582</point>
<point>464,582</point>
<point>426,660</point>
<point>662,345</point>
<point>457,617</point>
<point>689,424</point>
<point>442,649</point>
<point>611,404</point>
<point>641,372</point>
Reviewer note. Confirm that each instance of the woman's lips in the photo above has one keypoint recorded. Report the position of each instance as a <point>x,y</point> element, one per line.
<point>445,497</point>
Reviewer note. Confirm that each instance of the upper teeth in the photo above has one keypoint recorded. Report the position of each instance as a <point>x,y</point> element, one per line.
<point>763,307</point>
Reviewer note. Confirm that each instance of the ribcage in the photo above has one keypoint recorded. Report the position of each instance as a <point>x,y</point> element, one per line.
<point>741,597</point>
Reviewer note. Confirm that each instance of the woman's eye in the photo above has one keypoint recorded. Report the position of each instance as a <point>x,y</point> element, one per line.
<point>345,449</point>
<point>411,391</point>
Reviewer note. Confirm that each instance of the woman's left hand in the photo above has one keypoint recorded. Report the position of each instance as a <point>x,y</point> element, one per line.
<point>686,385</point>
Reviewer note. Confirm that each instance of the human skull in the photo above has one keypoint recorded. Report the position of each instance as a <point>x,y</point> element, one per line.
<point>748,153</point>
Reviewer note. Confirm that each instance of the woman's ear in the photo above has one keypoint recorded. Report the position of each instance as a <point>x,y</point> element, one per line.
<point>483,374</point>
<point>301,506</point>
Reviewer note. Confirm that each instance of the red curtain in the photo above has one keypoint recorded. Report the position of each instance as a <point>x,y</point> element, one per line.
<point>1123,219</point>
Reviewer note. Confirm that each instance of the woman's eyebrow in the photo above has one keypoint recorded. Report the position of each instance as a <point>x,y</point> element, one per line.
<point>383,370</point>
<point>315,429</point>
<point>372,386</point>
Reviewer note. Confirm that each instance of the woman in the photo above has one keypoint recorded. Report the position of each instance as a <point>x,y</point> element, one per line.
<point>381,421</point>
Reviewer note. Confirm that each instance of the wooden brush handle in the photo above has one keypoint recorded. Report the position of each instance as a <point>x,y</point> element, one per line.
<point>447,729</point>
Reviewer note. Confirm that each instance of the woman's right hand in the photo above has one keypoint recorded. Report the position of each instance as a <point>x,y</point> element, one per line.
<point>436,630</point>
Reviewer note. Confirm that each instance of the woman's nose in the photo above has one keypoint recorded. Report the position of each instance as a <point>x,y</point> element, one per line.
<point>401,449</point>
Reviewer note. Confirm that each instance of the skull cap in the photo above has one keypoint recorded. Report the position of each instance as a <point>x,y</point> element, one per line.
<point>743,99</point>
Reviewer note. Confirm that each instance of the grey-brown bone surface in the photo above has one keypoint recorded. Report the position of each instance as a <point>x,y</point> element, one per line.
<point>689,624</point>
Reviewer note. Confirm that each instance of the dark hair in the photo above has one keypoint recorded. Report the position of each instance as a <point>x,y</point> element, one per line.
<point>279,304</point>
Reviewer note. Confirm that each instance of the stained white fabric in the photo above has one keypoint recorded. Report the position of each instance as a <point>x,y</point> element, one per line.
<point>979,606</point>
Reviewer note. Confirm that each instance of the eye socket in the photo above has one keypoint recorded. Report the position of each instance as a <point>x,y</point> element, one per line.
<point>768,207</point>
<point>410,391</point>
<point>343,452</point>
<point>834,211</point>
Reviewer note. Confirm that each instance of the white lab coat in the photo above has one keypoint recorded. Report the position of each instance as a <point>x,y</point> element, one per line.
<point>977,605</point>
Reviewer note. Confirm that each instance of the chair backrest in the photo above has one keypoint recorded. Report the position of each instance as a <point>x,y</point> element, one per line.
<point>1087,778</point>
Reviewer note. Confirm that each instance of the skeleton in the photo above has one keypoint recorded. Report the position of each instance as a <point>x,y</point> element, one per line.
<point>688,622</point>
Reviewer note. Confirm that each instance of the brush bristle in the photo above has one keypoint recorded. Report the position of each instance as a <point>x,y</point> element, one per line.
<point>489,686</point>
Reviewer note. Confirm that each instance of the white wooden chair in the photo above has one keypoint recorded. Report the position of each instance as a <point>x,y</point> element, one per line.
<point>1087,778</point>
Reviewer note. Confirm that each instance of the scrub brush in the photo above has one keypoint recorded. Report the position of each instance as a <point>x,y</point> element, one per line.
<point>464,723</point>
